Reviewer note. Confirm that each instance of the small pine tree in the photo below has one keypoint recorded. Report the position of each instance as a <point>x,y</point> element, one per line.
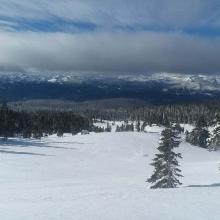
<point>143,126</point>
<point>108,128</point>
<point>166,165</point>
<point>138,126</point>
<point>6,125</point>
<point>117,129</point>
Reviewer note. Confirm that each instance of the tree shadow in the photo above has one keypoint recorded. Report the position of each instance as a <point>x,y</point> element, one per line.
<point>30,143</point>
<point>9,146</point>
<point>5,151</point>
<point>66,142</point>
<point>208,185</point>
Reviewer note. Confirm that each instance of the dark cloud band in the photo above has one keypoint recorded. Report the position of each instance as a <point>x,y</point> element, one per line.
<point>110,52</point>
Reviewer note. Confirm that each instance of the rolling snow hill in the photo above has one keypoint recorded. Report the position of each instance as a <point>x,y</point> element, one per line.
<point>102,176</point>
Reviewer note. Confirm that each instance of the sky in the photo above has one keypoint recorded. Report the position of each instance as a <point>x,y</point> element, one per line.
<point>114,36</point>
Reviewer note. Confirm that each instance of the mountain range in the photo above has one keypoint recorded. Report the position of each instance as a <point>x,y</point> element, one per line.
<point>152,88</point>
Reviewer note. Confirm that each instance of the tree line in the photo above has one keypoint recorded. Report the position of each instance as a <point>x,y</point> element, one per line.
<point>188,113</point>
<point>40,123</point>
<point>156,114</point>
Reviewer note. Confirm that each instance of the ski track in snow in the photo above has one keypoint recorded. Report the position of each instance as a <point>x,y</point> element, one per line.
<point>102,176</point>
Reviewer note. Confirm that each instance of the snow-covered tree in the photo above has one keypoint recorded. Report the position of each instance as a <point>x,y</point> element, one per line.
<point>178,128</point>
<point>138,126</point>
<point>108,128</point>
<point>166,166</point>
<point>200,134</point>
<point>143,125</point>
<point>214,140</point>
<point>6,123</point>
<point>117,128</point>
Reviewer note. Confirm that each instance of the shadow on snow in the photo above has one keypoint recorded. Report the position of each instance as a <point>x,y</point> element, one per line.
<point>5,146</point>
<point>30,143</point>
<point>208,185</point>
<point>5,151</point>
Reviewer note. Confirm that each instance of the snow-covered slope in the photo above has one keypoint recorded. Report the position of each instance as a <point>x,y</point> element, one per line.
<point>102,176</point>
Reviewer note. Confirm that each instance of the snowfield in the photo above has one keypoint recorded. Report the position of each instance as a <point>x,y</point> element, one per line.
<point>102,177</point>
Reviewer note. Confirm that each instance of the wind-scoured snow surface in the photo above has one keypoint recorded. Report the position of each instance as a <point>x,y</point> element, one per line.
<point>102,176</point>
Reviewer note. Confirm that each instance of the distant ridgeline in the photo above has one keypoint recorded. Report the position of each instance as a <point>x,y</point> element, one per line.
<point>17,88</point>
<point>39,123</point>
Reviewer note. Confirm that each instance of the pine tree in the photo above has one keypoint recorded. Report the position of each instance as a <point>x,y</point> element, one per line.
<point>108,128</point>
<point>214,140</point>
<point>178,127</point>
<point>6,124</point>
<point>117,129</point>
<point>143,126</point>
<point>166,165</point>
<point>138,126</point>
<point>200,134</point>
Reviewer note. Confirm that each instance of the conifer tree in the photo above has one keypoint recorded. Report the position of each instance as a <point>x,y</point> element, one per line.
<point>166,166</point>
<point>138,126</point>
<point>117,129</point>
<point>6,126</point>
<point>200,134</point>
<point>108,128</point>
<point>143,126</point>
<point>214,140</point>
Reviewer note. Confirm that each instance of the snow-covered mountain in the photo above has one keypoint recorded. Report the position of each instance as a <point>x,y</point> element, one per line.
<point>180,81</point>
<point>183,81</point>
<point>165,85</point>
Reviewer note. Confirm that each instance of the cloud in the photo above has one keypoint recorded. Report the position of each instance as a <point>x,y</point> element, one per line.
<point>173,14</point>
<point>143,52</point>
<point>110,36</point>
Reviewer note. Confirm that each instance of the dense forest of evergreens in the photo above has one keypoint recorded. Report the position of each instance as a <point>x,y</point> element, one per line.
<point>39,123</point>
<point>159,114</point>
<point>123,110</point>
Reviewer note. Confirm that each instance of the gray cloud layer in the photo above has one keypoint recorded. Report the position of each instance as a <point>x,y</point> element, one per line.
<point>107,50</point>
<point>110,52</point>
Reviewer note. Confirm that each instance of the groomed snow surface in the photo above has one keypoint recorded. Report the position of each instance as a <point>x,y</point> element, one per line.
<point>102,177</point>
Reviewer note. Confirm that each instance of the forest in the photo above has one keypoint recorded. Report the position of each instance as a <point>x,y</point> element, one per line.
<point>39,123</point>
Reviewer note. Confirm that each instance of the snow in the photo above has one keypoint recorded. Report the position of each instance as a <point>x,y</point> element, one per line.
<point>52,80</point>
<point>153,129</point>
<point>102,176</point>
<point>104,124</point>
<point>187,127</point>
